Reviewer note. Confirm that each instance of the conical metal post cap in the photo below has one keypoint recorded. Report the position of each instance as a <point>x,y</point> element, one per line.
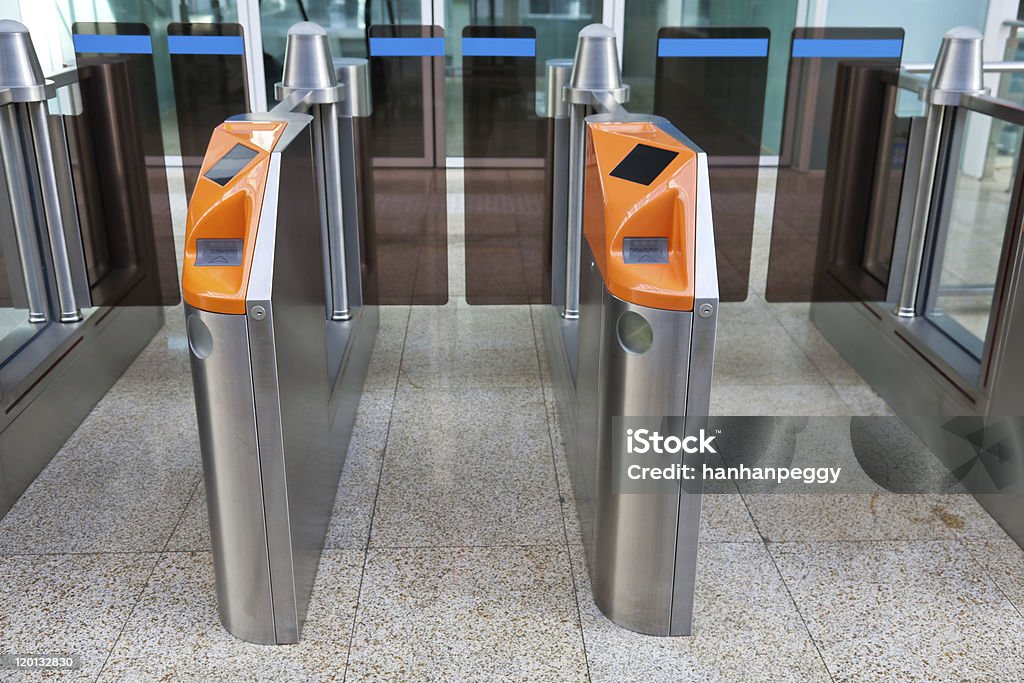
<point>308,67</point>
<point>19,65</point>
<point>307,58</point>
<point>596,66</point>
<point>959,68</point>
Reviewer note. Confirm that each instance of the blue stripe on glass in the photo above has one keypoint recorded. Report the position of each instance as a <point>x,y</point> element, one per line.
<point>406,47</point>
<point>499,47</point>
<point>205,45</point>
<point>712,47</point>
<point>847,48</point>
<point>114,45</point>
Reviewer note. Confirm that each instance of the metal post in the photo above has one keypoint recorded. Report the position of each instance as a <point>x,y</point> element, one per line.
<point>557,111</point>
<point>69,310</point>
<point>326,117</point>
<point>958,71</point>
<point>22,78</point>
<point>595,70</point>
<point>309,73</point>
<point>353,74</point>
<point>574,219</point>
<point>907,307</point>
<point>24,220</point>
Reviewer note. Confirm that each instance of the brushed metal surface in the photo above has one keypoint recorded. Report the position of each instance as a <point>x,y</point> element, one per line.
<point>923,216</point>
<point>558,198</point>
<point>595,66</point>
<point>308,69</point>
<point>636,534</point>
<point>641,548</point>
<point>67,197</point>
<point>698,399</point>
<point>20,73</point>
<point>307,57</point>
<point>292,388</point>
<point>353,73</point>
<point>959,68</point>
<point>574,209</point>
<point>19,189</point>
<point>326,118</point>
<point>558,72</point>
<point>303,414</point>
<point>69,310</point>
<point>226,415</point>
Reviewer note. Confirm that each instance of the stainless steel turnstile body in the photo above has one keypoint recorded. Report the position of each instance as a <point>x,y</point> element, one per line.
<point>278,277</point>
<point>262,396</point>
<point>641,547</point>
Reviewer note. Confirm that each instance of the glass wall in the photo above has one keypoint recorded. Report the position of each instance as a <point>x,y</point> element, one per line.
<point>346,22</point>
<point>643,18</point>
<point>555,22</point>
<point>923,20</point>
<point>51,22</point>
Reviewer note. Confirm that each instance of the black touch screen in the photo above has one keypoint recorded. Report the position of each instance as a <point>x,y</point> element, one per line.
<point>230,164</point>
<point>643,164</point>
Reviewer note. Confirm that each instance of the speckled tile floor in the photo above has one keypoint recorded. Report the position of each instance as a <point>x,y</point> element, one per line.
<point>427,577</point>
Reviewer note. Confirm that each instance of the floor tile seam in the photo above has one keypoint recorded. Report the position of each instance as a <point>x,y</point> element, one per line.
<point>463,546</point>
<point>1019,609</point>
<point>376,496</point>
<point>720,384</point>
<point>807,355</point>
<point>131,612</point>
<point>778,572</point>
<point>558,489</point>
<point>149,577</point>
<point>951,541</point>
<point>799,613</point>
<point>82,553</point>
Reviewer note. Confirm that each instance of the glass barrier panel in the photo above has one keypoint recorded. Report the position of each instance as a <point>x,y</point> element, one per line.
<point>977,209</point>
<point>503,141</point>
<point>406,132</point>
<point>208,68</point>
<point>710,83</point>
<point>118,168</point>
<point>829,153</point>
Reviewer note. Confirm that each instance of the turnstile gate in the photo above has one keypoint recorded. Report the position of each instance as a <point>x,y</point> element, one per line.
<point>281,325</point>
<point>631,337</point>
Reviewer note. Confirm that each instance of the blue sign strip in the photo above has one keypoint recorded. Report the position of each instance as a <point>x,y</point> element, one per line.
<point>406,47</point>
<point>712,47</point>
<point>114,45</point>
<point>499,47</point>
<point>847,48</point>
<point>205,45</point>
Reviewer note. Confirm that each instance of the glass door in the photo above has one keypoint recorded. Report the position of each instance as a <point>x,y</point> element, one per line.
<point>978,223</point>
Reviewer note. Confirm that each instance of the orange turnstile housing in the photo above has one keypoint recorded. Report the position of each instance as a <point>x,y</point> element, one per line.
<point>224,214</point>
<point>639,216</point>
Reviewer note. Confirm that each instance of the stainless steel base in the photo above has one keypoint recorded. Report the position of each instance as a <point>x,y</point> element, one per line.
<point>641,548</point>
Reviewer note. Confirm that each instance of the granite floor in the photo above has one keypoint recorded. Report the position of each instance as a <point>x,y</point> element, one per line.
<point>454,552</point>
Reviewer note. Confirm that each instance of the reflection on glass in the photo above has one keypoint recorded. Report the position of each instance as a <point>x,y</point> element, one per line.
<point>155,14</point>
<point>346,22</point>
<point>555,22</point>
<point>966,259</point>
<point>644,18</point>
